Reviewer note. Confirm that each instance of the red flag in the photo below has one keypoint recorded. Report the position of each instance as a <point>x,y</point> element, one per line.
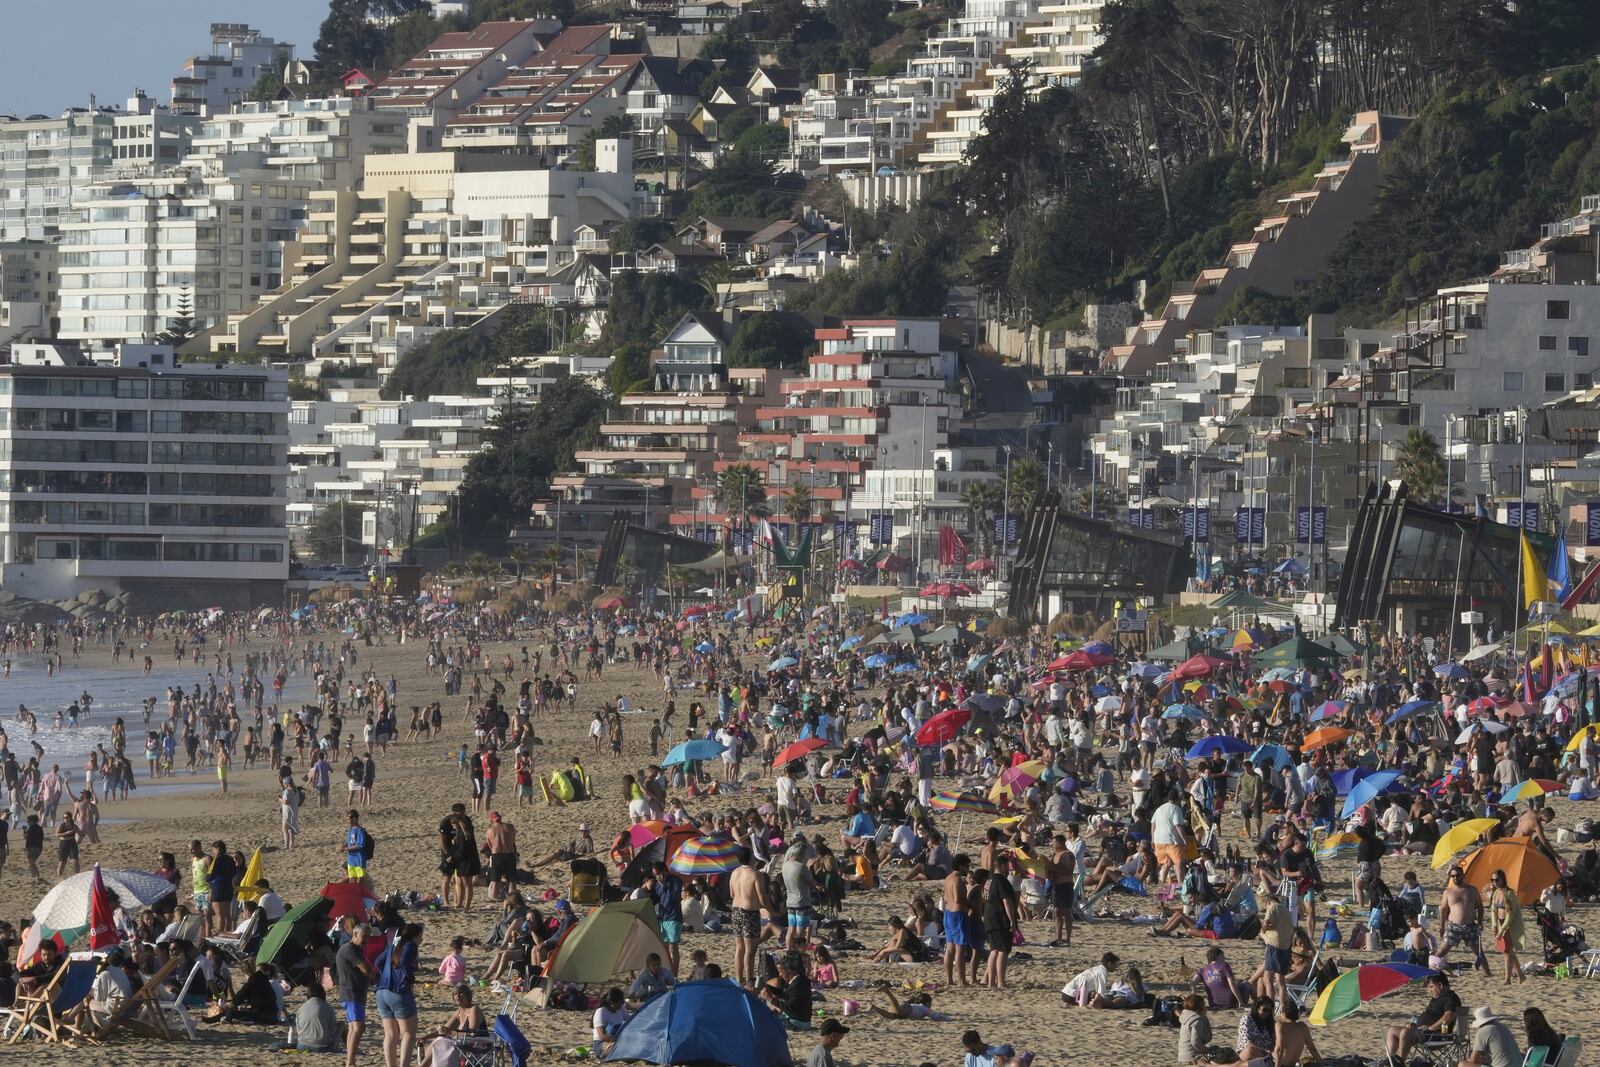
<point>102,923</point>
<point>952,549</point>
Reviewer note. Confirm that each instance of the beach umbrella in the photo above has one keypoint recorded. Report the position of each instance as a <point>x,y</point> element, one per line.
<point>975,662</point>
<point>1023,774</point>
<point>1459,837</point>
<point>1517,709</point>
<point>880,659</point>
<point>1410,708</point>
<point>1345,994</point>
<point>1488,726</point>
<point>698,749</point>
<point>851,565</point>
<point>1329,709</point>
<point>349,898</point>
<point>66,905</point>
<point>1533,787</point>
<point>712,854</point>
<point>1528,870</point>
<point>850,642</point>
<point>916,618</point>
<point>1182,711</point>
<point>1337,845</point>
<point>1081,660</point>
<point>783,663</point>
<point>1592,730</point>
<point>250,882</point>
<point>1327,735</point>
<point>1277,755</point>
<point>987,703</point>
<point>942,728</point>
<point>1278,674</point>
<point>102,917</point>
<point>1145,671</point>
<point>705,646</point>
<point>1364,791</point>
<point>798,750</point>
<point>980,566</point>
<point>1198,667</point>
<point>704,1022</point>
<point>1215,745</point>
<point>1108,703</point>
<point>1452,671</point>
<point>906,668</point>
<point>285,941</point>
<point>962,800</point>
<point>1346,778</point>
<point>646,831</point>
<point>1483,704</point>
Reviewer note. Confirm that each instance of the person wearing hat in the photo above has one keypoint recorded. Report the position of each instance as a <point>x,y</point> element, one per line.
<point>829,1034</point>
<point>1493,1043</point>
<point>111,987</point>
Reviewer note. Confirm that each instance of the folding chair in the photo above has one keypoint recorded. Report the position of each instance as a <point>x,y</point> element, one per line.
<point>1445,1050</point>
<point>238,949</point>
<point>147,995</point>
<point>1305,993</point>
<point>1080,906</point>
<point>175,1008</point>
<point>1585,964</point>
<point>44,1011</point>
<point>1568,1056</point>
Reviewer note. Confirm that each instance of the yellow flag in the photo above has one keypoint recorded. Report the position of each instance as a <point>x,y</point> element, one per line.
<point>1535,586</point>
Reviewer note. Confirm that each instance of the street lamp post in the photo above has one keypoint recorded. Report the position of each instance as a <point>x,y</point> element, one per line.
<point>1005,510</point>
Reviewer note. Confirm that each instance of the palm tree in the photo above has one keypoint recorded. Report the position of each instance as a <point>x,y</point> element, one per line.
<point>519,555</point>
<point>1421,466</point>
<point>479,565</point>
<point>982,500</point>
<point>1026,480</point>
<point>797,503</point>
<point>713,279</point>
<point>618,125</point>
<point>742,492</point>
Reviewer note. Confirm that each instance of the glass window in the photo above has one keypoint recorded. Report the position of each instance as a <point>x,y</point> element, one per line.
<point>1578,346</point>
<point>1547,342</point>
<point>1555,309</point>
<point>1511,381</point>
<point>1555,382</point>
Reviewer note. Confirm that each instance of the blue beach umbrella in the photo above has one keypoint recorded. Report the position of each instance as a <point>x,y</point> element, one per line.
<point>878,659</point>
<point>1366,789</point>
<point>1277,755</point>
<point>691,751</point>
<point>1182,711</point>
<point>1410,708</point>
<point>1216,744</point>
<point>782,663</point>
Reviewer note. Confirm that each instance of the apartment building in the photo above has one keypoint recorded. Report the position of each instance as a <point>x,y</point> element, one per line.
<point>143,474</point>
<point>30,290</point>
<point>240,56</point>
<point>320,140</point>
<point>49,164</point>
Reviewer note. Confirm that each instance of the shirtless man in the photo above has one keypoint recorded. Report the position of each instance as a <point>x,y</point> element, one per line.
<point>502,842</point>
<point>1294,1036</point>
<point>1530,824</point>
<point>1461,918</point>
<point>957,944</point>
<point>749,892</point>
<point>1063,875</point>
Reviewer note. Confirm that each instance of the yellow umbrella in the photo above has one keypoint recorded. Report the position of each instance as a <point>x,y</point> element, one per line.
<point>1030,863</point>
<point>250,884</point>
<point>1577,738</point>
<point>1458,837</point>
<point>1007,820</point>
<point>1593,631</point>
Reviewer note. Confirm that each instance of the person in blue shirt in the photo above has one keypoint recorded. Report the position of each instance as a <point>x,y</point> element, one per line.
<point>397,999</point>
<point>357,849</point>
<point>859,829</point>
<point>667,893</point>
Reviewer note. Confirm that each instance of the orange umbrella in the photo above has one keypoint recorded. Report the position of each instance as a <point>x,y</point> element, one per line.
<point>1528,871</point>
<point>1327,735</point>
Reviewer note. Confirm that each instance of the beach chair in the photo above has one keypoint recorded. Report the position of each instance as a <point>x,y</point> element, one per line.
<point>1305,993</point>
<point>238,949</point>
<point>44,1011</point>
<point>174,1008</point>
<point>1447,1049</point>
<point>1080,907</point>
<point>1537,1056</point>
<point>146,996</point>
<point>512,1040</point>
<point>1568,1056</point>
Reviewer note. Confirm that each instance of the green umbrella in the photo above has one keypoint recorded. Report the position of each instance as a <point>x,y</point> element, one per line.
<point>288,936</point>
<point>1295,652</point>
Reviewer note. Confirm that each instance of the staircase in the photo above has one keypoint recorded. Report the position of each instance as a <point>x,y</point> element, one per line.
<point>1285,253</point>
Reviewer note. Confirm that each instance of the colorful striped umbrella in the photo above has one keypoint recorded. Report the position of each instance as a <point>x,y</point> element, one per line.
<point>1330,709</point>
<point>1533,787</point>
<point>1337,845</point>
<point>712,854</point>
<point>963,800</point>
<point>1345,994</point>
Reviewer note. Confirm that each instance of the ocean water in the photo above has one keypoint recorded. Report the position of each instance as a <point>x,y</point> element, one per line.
<point>117,693</point>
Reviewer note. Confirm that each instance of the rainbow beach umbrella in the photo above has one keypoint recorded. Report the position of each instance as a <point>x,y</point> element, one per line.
<point>1345,994</point>
<point>712,854</point>
<point>1533,787</point>
<point>963,800</point>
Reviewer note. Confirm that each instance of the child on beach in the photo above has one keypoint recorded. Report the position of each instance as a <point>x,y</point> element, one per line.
<point>453,968</point>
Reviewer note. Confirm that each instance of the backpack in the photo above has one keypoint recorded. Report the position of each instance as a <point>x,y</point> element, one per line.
<point>372,843</point>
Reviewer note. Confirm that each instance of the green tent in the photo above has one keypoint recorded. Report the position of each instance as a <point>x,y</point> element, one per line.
<point>1295,652</point>
<point>612,940</point>
<point>1182,648</point>
<point>1241,600</point>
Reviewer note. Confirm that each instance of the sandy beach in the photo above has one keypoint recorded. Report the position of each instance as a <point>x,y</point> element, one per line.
<point>417,781</point>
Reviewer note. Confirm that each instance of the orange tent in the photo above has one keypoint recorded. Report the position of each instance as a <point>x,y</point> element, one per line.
<point>1327,735</point>
<point>1528,870</point>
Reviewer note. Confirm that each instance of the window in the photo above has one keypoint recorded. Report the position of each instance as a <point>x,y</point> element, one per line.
<point>1547,342</point>
<point>1511,381</point>
<point>1582,380</point>
<point>1555,383</point>
<point>1555,309</point>
<point>1578,346</point>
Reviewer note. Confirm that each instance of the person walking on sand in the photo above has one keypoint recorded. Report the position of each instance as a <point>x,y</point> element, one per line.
<point>355,977</point>
<point>1505,915</point>
<point>1063,876</point>
<point>501,841</point>
<point>953,905</point>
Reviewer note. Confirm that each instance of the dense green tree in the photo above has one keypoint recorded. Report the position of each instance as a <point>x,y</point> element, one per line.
<point>335,532</point>
<point>637,234</point>
<point>768,140</point>
<point>1250,306</point>
<point>1024,483</point>
<point>525,446</point>
<point>644,306</point>
<point>348,38</point>
<point>630,368</point>
<point>1421,466</point>
<point>797,502</point>
<point>182,327</point>
<point>449,362</point>
<point>770,339</point>
<point>862,25</point>
<point>742,492</point>
<point>742,183</point>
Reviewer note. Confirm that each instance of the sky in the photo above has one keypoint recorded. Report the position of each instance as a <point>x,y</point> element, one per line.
<point>54,53</point>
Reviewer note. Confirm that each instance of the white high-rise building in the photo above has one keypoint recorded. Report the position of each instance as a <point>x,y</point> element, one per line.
<point>142,474</point>
<point>240,55</point>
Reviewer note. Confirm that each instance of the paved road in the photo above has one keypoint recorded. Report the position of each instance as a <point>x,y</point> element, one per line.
<point>1004,406</point>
